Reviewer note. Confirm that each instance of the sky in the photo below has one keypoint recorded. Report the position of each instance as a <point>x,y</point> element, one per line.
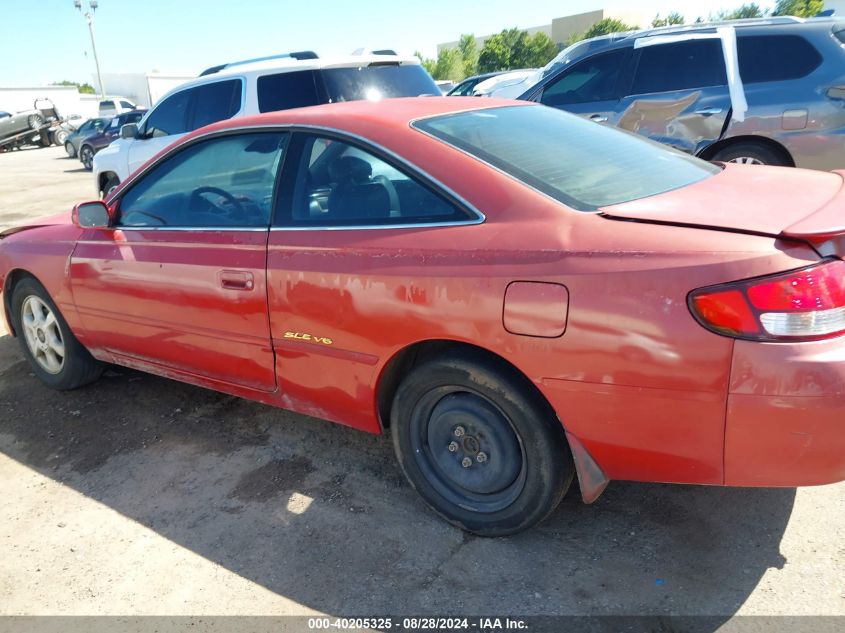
<point>47,40</point>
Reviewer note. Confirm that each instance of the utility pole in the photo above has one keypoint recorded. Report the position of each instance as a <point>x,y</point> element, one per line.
<point>89,17</point>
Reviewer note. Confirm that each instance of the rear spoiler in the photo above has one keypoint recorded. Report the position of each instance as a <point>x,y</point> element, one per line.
<point>824,228</point>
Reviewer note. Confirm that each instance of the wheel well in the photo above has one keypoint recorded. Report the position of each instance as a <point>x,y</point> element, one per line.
<point>102,179</point>
<point>404,361</point>
<point>12,280</point>
<point>708,152</point>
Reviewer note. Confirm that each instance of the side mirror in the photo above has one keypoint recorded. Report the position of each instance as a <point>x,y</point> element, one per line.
<point>129,130</point>
<point>94,215</point>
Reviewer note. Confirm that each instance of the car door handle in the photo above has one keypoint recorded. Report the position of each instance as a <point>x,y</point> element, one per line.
<point>709,111</point>
<point>236,280</point>
<point>598,118</point>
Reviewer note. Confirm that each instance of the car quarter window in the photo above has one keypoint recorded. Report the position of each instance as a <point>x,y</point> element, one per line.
<point>775,57</point>
<point>126,104</point>
<point>282,91</point>
<point>680,66</point>
<point>215,102</point>
<point>593,79</point>
<point>170,116</point>
<point>341,184</point>
<point>221,182</point>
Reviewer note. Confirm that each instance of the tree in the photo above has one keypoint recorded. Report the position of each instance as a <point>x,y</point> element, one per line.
<point>469,54</point>
<point>427,63</point>
<point>670,19</point>
<point>602,27</point>
<point>86,89</point>
<point>541,50</point>
<point>449,65</point>
<point>750,10</point>
<point>799,8</point>
<point>505,50</point>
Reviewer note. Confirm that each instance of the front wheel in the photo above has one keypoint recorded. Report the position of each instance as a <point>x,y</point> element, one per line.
<point>56,357</point>
<point>86,157</point>
<point>70,149</point>
<point>111,184</point>
<point>60,137</point>
<point>479,445</point>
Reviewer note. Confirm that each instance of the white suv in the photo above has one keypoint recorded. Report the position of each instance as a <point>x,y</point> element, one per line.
<point>253,86</point>
<point>112,106</point>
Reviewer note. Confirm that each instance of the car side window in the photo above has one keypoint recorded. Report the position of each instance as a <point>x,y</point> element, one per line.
<point>106,104</point>
<point>126,104</point>
<point>680,66</point>
<point>775,58</point>
<point>170,116</point>
<point>222,182</point>
<point>340,184</point>
<point>283,91</point>
<point>590,80</point>
<point>215,102</point>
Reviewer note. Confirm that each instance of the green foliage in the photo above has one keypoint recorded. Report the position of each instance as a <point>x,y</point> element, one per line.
<point>503,51</point>
<point>427,63</point>
<point>670,20</point>
<point>602,27</point>
<point>799,8</point>
<point>449,65</point>
<point>542,50</point>
<point>749,10</point>
<point>86,89</point>
<point>469,54</point>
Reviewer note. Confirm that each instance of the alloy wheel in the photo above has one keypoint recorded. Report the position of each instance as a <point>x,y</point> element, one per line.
<point>43,335</point>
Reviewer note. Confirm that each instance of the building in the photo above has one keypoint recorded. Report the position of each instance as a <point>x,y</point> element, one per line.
<point>561,29</point>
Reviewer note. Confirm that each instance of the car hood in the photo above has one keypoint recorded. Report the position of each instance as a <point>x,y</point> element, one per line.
<point>53,220</point>
<point>776,201</point>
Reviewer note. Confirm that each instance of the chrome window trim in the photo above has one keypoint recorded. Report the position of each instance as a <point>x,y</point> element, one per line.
<point>204,229</point>
<point>292,128</point>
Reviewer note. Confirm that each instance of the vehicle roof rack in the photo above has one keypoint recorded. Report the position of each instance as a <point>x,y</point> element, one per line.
<point>679,28</point>
<point>293,55</point>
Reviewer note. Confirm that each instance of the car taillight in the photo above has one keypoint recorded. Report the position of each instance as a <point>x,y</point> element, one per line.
<point>804,304</point>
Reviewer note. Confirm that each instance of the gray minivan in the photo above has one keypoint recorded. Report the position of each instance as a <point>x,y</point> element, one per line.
<point>674,85</point>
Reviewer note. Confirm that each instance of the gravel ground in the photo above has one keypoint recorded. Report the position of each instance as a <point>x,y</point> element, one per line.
<point>139,495</point>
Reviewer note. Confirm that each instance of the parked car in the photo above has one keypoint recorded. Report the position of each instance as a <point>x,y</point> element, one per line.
<point>783,104</point>
<point>522,296</point>
<point>252,86</point>
<point>90,145</point>
<point>465,88</point>
<point>90,127</point>
<point>115,105</point>
<point>502,81</point>
<point>12,124</point>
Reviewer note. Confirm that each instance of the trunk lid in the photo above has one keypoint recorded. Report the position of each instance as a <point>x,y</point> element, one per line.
<point>777,201</point>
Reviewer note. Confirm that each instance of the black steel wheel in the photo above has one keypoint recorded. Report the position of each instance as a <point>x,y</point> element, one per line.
<point>479,444</point>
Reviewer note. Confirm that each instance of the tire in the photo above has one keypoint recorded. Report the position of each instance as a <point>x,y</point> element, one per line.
<point>750,153</point>
<point>70,149</point>
<point>42,338</point>
<point>35,121</point>
<point>480,447</point>
<point>60,137</point>
<point>111,182</point>
<point>86,157</point>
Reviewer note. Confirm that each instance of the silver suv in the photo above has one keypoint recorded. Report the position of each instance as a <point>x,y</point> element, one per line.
<point>767,91</point>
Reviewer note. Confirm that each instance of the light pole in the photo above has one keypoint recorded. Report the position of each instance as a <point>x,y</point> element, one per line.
<point>89,16</point>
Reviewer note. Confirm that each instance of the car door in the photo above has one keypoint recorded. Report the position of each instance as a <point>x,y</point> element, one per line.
<point>590,87</point>
<point>343,287</point>
<point>678,94</point>
<point>178,282</point>
<point>183,112</point>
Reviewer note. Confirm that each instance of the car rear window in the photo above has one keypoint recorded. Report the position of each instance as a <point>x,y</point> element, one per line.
<point>775,57</point>
<point>377,81</point>
<point>582,164</point>
<point>283,91</point>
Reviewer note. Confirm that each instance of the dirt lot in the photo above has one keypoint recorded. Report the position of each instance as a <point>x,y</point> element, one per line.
<point>139,495</point>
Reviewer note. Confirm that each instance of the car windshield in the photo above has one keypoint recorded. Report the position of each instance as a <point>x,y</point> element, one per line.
<point>378,81</point>
<point>582,164</point>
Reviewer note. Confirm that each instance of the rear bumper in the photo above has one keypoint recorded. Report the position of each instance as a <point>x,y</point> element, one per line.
<point>785,422</point>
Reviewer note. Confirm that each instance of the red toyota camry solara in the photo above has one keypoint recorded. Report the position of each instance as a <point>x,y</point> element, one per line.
<point>521,296</point>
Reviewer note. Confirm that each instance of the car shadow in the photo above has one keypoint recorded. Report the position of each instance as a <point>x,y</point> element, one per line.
<point>321,514</point>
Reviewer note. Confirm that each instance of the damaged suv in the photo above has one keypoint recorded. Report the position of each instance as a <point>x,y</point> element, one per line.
<point>762,91</point>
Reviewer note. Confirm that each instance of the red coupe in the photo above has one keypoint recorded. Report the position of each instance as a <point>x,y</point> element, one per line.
<point>521,296</point>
